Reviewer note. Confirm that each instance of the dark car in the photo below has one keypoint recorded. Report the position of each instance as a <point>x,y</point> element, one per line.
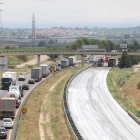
<point>3,132</point>
<point>31,81</point>
<point>25,87</point>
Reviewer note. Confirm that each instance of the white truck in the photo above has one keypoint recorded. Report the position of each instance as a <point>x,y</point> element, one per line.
<point>8,78</point>
<point>91,59</point>
<point>72,60</point>
<point>7,107</point>
<point>45,70</point>
<point>36,74</point>
<point>15,92</point>
<point>97,57</point>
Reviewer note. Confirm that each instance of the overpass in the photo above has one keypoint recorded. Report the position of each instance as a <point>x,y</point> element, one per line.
<point>63,52</point>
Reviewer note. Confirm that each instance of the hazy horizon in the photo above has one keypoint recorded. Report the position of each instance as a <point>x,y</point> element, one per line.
<point>51,25</point>
<point>70,13</point>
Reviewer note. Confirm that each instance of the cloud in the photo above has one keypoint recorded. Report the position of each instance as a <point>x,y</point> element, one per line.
<point>70,11</point>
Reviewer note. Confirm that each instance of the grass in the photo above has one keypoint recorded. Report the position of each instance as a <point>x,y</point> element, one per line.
<point>52,107</point>
<point>121,83</point>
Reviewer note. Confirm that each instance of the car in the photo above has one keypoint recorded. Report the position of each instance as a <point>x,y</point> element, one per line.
<point>31,81</point>
<point>3,133</point>
<point>7,122</point>
<point>21,78</point>
<point>58,67</point>
<point>25,87</point>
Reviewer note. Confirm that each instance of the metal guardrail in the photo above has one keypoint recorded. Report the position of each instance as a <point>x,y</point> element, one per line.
<point>65,105</point>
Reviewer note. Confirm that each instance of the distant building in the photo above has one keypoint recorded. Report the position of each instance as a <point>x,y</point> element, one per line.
<point>2,46</point>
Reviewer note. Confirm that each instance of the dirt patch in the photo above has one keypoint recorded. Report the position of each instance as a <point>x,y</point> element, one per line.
<point>45,118</point>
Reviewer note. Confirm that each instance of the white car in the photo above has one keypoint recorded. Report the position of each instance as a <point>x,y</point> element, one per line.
<point>21,78</point>
<point>7,122</point>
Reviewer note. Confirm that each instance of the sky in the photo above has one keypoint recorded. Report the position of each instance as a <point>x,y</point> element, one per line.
<point>70,13</point>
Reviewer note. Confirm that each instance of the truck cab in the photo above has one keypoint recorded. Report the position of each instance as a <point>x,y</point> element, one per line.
<point>15,92</point>
<point>8,78</point>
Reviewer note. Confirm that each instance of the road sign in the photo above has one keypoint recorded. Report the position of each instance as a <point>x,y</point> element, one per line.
<point>138,112</point>
<point>52,72</point>
<point>66,111</point>
<point>24,110</point>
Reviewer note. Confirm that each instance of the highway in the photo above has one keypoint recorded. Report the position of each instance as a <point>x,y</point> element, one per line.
<point>3,93</point>
<point>94,111</point>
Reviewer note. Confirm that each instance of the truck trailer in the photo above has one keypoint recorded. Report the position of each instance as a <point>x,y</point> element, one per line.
<point>7,107</point>
<point>72,60</point>
<point>64,63</point>
<point>15,93</point>
<point>111,62</point>
<point>36,74</point>
<point>8,78</point>
<point>45,70</point>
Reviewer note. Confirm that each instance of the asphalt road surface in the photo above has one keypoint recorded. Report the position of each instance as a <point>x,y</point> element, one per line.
<point>94,111</point>
<point>3,93</point>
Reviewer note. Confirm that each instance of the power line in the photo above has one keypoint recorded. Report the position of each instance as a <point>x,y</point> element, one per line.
<point>33,30</point>
<point>1,29</point>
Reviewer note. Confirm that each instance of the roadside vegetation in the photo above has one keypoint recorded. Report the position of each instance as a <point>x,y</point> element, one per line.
<point>122,83</point>
<point>16,60</point>
<point>57,127</point>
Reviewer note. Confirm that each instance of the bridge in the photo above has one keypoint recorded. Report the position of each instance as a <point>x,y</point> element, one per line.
<point>62,52</point>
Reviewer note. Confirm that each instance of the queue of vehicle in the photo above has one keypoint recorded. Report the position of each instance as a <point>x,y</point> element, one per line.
<point>9,104</point>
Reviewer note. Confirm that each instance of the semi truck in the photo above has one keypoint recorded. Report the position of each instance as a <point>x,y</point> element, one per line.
<point>45,70</point>
<point>8,78</point>
<point>111,62</point>
<point>93,58</point>
<point>64,63</point>
<point>14,92</point>
<point>100,62</point>
<point>72,60</point>
<point>7,107</point>
<point>36,74</point>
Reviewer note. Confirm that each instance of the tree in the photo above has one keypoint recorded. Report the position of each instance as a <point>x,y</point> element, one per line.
<point>76,46</point>
<point>134,60</point>
<point>125,61</point>
<point>136,44</point>
<point>86,41</point>
<point>53,56</point>
<point>7,47</point>
<point>50,42</point>
<point>41,44</point>
<point>68,47</point>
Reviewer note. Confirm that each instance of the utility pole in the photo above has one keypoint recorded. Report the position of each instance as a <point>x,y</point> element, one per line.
<point>1,28</point>
<point>33,30</point>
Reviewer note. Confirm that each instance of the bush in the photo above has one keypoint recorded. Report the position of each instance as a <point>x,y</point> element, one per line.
<point>138,86</point>
<point>24,58</point>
